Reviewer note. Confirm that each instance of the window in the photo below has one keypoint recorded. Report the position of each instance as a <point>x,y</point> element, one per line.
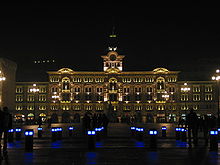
<point>137,97</point>
<point>42,98</point>
<point>76,79</point>
<point>54,107</point>
<point>30,98</point>
<point>77,89</point>
<point>138,108</point>
<point>19,98</point>
<point>43,90</point>
<point>184,97</point>
<point>195,107</point>
<point>137,79</point>
<point>77,97</point>
<point>126,98</point>
<point>99,90</point>
<point>88,89</point>
<point>160,107</point>
<point>208,88</point>
<point>19,89</point>
<point>196,97</point>
<point>137,89</point>
<point>100,98</point>
<point>30,107</point>
<point>88,97</point>
<point>19,107</point>
<point>208,97</point>
<point>76,107</point>
<point>88,107</point>
<point>149,89</point>
<point>99,80</point>
<point>127,108</point>
<point>54,89</point>
<point>149,79</point>
<point>126,80</point>
<point>99,108</point>
<point>65,96</point>
<point>149,107</point>
<point>126,89</point>
<point>171,89</point>
<point>42,107</point>
<point>149,97</point>
<point>196,88</point>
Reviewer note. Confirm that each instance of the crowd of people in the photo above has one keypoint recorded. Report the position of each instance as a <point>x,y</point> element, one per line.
<point>196,124</point>
<point>92,121</point>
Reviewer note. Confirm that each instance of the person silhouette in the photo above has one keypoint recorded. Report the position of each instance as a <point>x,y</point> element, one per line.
<point>5,125</point>
<point>192,123</point>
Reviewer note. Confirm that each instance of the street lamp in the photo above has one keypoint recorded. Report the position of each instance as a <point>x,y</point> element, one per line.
<point>185,90</point>
<point>34,90</point>
<point>216,77</point>
<point>166,97</point>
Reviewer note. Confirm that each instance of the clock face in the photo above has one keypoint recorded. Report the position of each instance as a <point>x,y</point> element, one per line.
<point>112,57</point>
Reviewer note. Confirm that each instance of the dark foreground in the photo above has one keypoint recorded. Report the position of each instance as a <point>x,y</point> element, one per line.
<point>118,148</point>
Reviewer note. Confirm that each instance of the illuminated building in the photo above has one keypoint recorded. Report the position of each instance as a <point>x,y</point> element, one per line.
<point>150,96</point>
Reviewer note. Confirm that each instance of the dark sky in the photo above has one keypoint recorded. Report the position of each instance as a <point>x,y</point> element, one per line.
<point>76,35</point>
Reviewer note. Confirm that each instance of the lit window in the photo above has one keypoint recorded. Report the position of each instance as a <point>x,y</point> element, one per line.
<point>196,97</point>
<point>208,97</point>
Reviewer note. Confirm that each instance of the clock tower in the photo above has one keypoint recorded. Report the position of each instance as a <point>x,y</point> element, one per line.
<point>112,62</point>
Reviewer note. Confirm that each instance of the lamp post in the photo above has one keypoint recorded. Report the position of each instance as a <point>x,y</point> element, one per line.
<point>216,77</point>
<point>34,90</point>
<point>185,90</point>
<point>166,97</point>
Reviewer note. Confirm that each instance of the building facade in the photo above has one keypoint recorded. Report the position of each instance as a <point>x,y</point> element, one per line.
<point>148,96</point>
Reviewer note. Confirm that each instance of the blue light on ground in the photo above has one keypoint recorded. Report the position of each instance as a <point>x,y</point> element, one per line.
<point>91,158</point>
<point>139,144</point>
<point>99,144</point>
<point>181,144</point>
<point>28,158</point>
<point>152,158</point>
<point>56,144</point>
<point>18,144</point>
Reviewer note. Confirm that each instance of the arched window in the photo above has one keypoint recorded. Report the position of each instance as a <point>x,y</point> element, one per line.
<point>65,83</point>
<point>160,83</point>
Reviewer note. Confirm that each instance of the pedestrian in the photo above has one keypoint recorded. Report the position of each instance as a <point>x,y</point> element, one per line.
<point>192,123</point>
<point>5,125</point>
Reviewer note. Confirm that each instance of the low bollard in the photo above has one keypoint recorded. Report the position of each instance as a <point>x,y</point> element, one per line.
<point>164,131</point>
<point>183,134</point>
<point>59,133</point>
<point>98,133</point>
<point>218,133</point>
<point>40,132</point>
<point>178,131</point>
<point>29,134</point>
<point>140,133</point>
<point>153,138</point>
<point>53,134</point>
<point>10,135</point>
<point>91,139</point>
<point>213,140</point>
<point>133,129</point>
<point>18,134</point>
<point>71,128</point>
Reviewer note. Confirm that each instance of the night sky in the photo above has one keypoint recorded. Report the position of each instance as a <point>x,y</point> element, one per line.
<point>76,35</point>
